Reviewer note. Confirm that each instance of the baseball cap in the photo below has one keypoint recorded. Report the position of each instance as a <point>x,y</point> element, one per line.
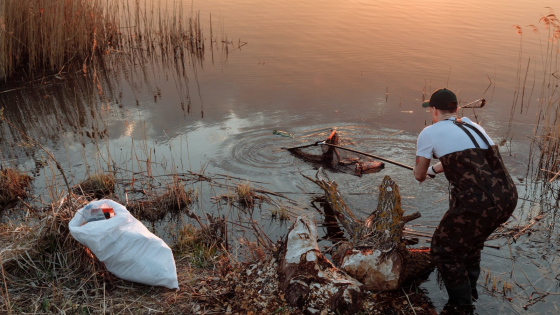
<point>442,99</point>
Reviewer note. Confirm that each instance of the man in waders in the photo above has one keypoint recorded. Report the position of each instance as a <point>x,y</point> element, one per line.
<point>482,194</point>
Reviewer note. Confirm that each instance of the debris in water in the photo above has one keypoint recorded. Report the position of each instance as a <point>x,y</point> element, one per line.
<point>282,133</point>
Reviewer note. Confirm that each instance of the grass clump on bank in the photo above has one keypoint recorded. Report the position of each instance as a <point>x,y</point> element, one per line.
<point>98,186</point>
<point>172,201</point>
<point>13,186</point>
<point>45,35</point>
<point>245,194</point>
<point>198,246</point>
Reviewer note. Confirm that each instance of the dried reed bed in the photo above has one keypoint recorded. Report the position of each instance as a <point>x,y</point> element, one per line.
<point>161,37</point>
<point>545,144</point>
<point>45,35</point>
<point>13,186</point>
<point>51,35</point>
<point>547,131</point>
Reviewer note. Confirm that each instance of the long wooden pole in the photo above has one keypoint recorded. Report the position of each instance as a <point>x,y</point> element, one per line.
<point>304,146</point>
<point>371,155</point>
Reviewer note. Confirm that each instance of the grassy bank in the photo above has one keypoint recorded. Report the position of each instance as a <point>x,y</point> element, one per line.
<point>46,271</point>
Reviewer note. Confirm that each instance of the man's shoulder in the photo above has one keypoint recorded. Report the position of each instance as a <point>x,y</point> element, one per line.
<point>429,128</point>
<point>428,134</point>
<point>470,122</point>
<point>435,128</point>
<point>426,131</point>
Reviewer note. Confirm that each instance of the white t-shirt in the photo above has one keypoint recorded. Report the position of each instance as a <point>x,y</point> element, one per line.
<point>445,137</point>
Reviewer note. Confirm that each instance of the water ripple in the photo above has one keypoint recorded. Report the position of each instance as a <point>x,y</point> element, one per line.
<point>260,152</point>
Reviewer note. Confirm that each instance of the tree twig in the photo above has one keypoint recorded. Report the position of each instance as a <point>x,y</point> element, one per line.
<point>409,303</point>
<point>520,233</point>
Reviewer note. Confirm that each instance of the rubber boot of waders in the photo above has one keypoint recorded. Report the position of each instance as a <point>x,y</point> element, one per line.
<point>473,272</point>
<point>460,295</point>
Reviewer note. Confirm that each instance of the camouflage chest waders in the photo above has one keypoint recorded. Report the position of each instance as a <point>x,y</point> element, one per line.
<point>483,196</point>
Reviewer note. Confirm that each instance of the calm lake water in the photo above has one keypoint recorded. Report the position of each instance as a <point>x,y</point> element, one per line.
<point>363,67</point>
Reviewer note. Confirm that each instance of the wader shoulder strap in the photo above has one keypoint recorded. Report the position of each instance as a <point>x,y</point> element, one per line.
<point>461,125</point>
<point>478,132</point>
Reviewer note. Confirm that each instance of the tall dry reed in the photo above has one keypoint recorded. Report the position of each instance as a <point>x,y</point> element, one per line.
<point>547,128</point>
<point>544,165</point>
<point>53,35</point>
<point>46,35</point>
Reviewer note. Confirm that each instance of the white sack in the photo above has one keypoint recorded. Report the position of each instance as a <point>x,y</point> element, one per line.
<point>127,248</point>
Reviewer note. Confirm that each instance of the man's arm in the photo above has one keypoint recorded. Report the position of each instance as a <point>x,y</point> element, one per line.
<point>421,168</point>
<point>438,168</point>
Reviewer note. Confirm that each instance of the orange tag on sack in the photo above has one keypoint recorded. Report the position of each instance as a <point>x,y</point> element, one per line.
<point>107,211</point>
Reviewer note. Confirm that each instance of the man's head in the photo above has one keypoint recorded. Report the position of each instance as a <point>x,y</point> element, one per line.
<point>442,99</point>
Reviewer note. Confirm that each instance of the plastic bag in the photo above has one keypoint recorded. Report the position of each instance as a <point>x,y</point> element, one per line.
<point>128,249</point>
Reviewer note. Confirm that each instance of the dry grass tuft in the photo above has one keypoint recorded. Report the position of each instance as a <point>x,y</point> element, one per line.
<point>283,213</point>
<point>199,246</point>
<point>156,207</point>
<point>98,186</point>
<point>13,185</point>
<point>245,194</point>
<point>494,283</point>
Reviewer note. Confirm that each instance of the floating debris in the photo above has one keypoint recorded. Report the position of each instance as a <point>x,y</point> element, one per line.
<point>282,133</point>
